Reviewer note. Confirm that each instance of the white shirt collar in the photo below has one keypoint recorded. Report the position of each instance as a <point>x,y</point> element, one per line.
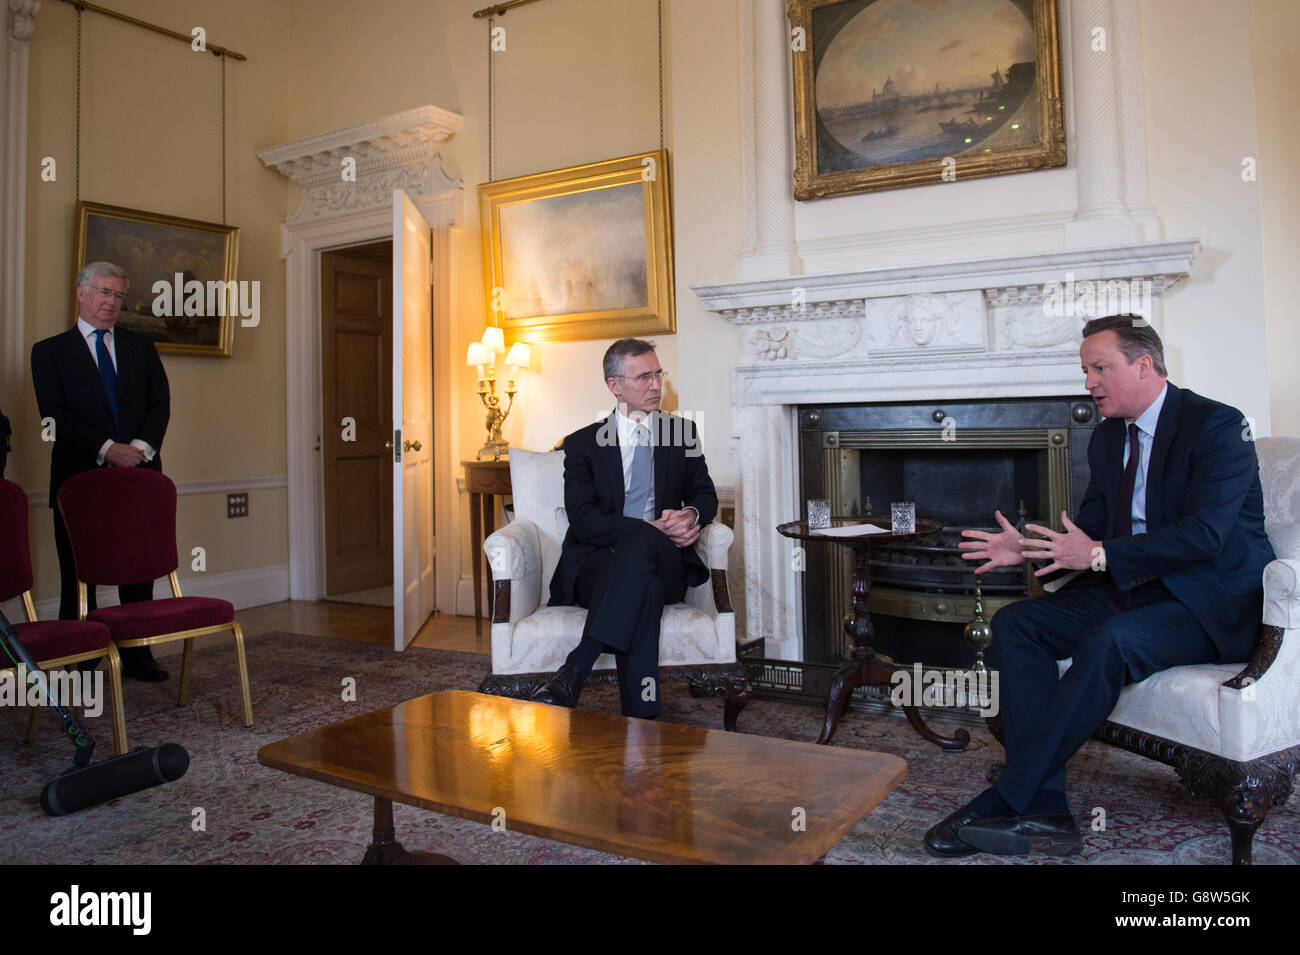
<point>88,330</point>
<point>626,426</point>
<point>1148,419</point>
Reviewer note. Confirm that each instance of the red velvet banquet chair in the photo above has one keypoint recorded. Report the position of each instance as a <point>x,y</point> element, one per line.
<point>122,525</point>
<point>52,643</point>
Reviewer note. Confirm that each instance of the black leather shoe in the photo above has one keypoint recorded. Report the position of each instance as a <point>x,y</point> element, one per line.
<point>1053,833</point>
<point>561,689</point>
<point>942,840</point>
<point>146,671</point>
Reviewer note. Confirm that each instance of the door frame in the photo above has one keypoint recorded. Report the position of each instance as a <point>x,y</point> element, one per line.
<point>301,245</point>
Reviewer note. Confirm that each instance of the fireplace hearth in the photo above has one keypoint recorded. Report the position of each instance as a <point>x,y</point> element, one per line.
<point>958,461</point>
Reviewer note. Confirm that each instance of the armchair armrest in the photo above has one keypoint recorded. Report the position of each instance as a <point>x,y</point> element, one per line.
<point>713,597</point>
<point>1281,613</point>
<point>1282,594</point>
<point>514,554</point>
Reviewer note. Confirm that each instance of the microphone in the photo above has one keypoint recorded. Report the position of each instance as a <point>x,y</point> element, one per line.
<point>85,785</point>
<point>118,776</point>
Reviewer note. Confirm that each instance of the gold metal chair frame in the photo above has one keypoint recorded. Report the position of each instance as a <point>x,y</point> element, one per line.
<point>114,678</point>
<point>188,636</point>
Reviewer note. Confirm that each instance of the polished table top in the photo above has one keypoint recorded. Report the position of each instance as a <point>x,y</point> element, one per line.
<point>651,790</point>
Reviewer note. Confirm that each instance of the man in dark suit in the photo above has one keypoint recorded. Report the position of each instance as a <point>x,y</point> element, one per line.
<point>107,393</point>
<point>637,492</point>
<point>1170,551</point>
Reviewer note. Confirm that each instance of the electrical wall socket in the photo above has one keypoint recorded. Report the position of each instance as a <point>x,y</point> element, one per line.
<point>237,505</point>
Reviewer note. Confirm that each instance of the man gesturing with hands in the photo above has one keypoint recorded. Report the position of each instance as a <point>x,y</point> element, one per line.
<point>1168,552</point>
<point>636,493</point>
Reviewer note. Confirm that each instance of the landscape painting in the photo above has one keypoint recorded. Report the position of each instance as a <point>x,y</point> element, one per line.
<point>893,93</point>
<point>580,253</point>
<point>153,249</point>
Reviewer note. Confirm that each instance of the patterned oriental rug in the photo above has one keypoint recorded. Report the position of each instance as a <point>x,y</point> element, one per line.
<point>257,815</point>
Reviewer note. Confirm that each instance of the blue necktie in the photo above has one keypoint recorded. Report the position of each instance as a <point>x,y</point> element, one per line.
<point>106,370</point>
<point>638,485</point>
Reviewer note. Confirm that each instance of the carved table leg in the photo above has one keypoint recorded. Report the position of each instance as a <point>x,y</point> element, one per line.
<point>386,850</point>
<point>862,669</point>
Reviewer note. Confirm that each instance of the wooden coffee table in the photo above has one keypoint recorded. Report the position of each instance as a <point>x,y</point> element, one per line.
<point>651,790</point>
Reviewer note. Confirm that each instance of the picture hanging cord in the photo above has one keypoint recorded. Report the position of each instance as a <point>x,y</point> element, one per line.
<point>77,116</point>
<point>492,129</point>
<point>223,139</point>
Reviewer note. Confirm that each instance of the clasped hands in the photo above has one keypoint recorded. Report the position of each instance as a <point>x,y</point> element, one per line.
<point>123,455</point>
<point>1071,550</point>
<point>679,526</point>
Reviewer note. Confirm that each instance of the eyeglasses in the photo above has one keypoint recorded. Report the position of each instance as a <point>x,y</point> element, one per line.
<point>649,376</point>
<point>109,293</point>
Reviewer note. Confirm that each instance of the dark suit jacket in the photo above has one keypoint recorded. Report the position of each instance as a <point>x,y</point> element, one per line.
<point>1205,535</point>
<point>70,390</point>
<point>593,493</point>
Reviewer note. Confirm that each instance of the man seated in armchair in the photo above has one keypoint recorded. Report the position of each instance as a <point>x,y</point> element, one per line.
<point>1170,548</point>
<point>637,492</point>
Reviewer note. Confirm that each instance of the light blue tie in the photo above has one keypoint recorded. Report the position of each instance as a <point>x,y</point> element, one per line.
<point>638,486</point>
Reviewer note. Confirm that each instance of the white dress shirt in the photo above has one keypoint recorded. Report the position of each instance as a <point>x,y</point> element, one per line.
<point>1146,423</point>
<point>88,335</point>
<point>627,448</point>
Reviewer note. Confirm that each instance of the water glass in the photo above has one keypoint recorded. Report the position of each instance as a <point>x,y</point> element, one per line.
<point>819,514</point>
<point>903,517</point>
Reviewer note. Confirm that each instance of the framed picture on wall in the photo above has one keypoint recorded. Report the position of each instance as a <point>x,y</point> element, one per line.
<point>182,294</point>
<point>580,253</point>
<point>895,93</point>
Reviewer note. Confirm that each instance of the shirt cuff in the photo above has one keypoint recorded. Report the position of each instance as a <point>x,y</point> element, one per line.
<point>144,446</point>
<point>103,451</point>
<point>697,514</point>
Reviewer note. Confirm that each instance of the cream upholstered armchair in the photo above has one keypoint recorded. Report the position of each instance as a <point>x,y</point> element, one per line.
<point>530,640</point>
<point>1232,731</point>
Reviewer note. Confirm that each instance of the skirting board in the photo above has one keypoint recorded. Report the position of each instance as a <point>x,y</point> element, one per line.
<point>243,588</point>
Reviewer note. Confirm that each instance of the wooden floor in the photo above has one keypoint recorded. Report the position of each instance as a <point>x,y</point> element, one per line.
<point>345,622</point>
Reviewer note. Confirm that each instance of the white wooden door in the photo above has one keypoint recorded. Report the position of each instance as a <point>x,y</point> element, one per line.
<point>413,554</point>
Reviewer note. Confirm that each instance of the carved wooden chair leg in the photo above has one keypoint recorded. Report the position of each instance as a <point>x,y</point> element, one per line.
<point>736,700</point>
<point>1243,816</point>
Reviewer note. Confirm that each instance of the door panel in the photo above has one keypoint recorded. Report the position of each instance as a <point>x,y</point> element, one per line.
<point>356,372</point>
<point>412,421</point>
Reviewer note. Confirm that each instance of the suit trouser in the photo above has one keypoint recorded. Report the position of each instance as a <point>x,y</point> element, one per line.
<point>1045,720</point>
<point>624,589</point>
<point>128,593</point>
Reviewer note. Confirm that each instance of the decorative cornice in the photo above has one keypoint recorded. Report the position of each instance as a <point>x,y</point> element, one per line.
<point>396,140</point>
<point>22,18</point>
<point>401,151</point>
<point>1021,279</point>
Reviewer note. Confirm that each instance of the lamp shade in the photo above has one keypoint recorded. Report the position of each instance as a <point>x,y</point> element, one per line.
<point>518,357</point>
<point>478,354</point>
<point>495,339</point>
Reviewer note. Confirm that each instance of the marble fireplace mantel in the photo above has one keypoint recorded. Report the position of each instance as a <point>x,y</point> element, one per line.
<point>982,328</point>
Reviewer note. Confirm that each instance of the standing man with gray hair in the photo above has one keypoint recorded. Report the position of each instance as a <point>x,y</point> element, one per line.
<point>106,390</point>
<point>636,492</point>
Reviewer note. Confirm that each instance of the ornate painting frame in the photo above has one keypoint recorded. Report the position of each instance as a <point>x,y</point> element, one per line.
<point>955,157</point>
<point>154,248</point>
<point>580,253</point>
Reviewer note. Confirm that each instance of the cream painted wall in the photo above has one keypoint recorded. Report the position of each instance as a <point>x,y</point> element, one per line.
<point>1201,122</point>
<point>150,140</point>
<point>1275,50</point>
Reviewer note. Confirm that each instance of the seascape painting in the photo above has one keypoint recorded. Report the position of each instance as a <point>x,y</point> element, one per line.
<point>896,92</point>
<point>154,248</point>
<point>580,253</point>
